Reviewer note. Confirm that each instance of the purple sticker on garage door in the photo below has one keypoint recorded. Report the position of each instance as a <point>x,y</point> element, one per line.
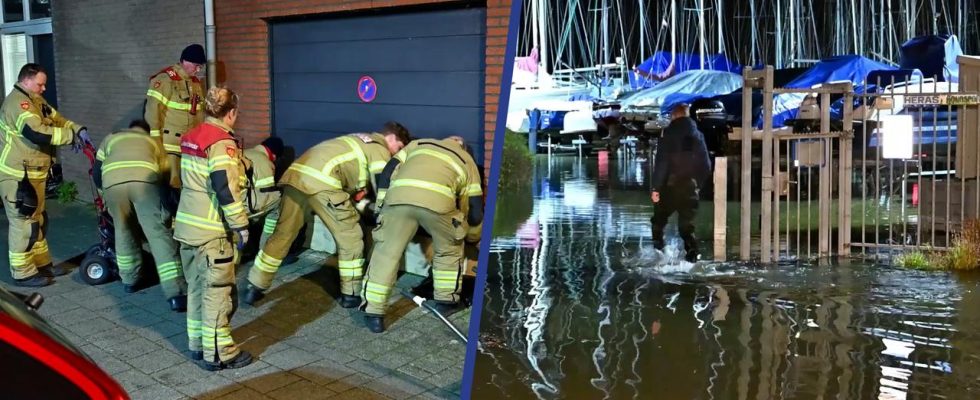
<point>367,89</point>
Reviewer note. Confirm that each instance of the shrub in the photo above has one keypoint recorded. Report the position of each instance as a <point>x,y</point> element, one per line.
<point>516,161</point>
<point>67,192</point>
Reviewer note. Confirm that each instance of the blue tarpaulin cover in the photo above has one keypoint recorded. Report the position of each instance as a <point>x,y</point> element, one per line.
<point>840,68</point>
<point>685,87</point>
<point>659,65</point>
<point>934,55</point>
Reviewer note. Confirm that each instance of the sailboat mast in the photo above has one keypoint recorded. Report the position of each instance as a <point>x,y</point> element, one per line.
<point>543,31</point>
<point>643,29</point>
<point>673,31</point>
<point>702,43</point>
<point>752,21</point>
<point>779,34</point>
<point>605,33</point>
<point>720,28</point>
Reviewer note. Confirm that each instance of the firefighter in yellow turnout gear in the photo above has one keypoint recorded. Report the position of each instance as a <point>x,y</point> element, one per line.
<point>127,170</point>
<point>324,179</point>
<point>211,220</point>
<point>262,195</point>
<point>174,105</point>
<point>32,130</point>
<point>437,187</point>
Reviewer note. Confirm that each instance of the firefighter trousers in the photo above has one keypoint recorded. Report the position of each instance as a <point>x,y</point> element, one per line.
<point>682,199</point>
<point>212,298</point>
<point>137,206</point>
<point>398,225</point>
<point>340,218</point>
<point>27,237</point>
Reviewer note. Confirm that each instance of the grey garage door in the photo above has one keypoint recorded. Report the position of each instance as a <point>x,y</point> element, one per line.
<point>427,69</point>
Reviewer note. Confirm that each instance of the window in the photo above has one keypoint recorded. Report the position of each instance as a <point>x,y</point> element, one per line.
<point>40,9</point>
<point>14,55</point>
<point>13,10</point>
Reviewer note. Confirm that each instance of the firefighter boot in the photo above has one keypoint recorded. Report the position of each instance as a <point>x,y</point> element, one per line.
<point>253,294</point>
<point>348,301</point>
<point>375,323</point>
<point>243,358</point>
<point>445,308</point>
<point>37,280</point>
<point>52,271</point>
<point>178,303</point>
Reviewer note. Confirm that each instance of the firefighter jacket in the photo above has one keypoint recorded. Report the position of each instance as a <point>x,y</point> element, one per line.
<point>261,193</point>
<point>174,105</point>
<point>32,130</point>
<point>346,164</point>
<point>211,201</point>
<point>435,174</point>
<point>128,156</point>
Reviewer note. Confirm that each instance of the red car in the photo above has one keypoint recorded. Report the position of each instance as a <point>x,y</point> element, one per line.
<point>36,361</point>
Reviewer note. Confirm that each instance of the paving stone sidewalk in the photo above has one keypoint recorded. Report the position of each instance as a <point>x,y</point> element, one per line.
<point>307,346</point>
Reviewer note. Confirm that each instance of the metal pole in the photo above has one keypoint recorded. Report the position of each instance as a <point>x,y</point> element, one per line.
<point>745,238</point>
<point>767,184</point>
<point>824,180</point>
<point>721,207</point>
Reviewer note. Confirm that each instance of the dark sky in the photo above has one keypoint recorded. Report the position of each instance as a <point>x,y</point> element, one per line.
<point>818,22</point>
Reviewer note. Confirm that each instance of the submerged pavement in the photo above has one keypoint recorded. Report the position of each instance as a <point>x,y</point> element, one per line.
<point>306,345</point>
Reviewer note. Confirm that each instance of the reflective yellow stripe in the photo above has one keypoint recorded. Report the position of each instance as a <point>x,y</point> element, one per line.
<point>376,293</point>
<point>129,164</point>
<point>168,271</point>
<point>441,189</point>
<point>154,132</point>
<point>270,225</point>
<point>351,268</point>
<point>176,105</point>
<point>474,189</point>
<point>199,222</point>
<point>313,173</point>
<point>266,263</point>
<point>19,260</point>
<point>460,172</point>
<point>100,155</point>
<point>265,182</point>
<point>377,167</point>
<point>233,208</point>
<point>220,161</point>
<point>362,163</point>
<point>191,166</point>
<point>445,279</point>
<point>171,148</point>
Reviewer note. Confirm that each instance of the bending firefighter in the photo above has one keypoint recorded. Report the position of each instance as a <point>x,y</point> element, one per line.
<point>32,130</point>
<point>262,195</point>
<point>437,187</point>
<point>681,166</point>
<point>324,179</point>
<point>127,169</point>
<point>173,107</point>
<point>211,222</point>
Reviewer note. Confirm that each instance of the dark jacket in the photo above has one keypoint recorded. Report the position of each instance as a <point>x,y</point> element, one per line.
<point>681,155</point>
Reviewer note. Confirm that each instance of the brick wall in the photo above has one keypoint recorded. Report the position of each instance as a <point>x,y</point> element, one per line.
<point>243,53</point>
<point>105,52</point>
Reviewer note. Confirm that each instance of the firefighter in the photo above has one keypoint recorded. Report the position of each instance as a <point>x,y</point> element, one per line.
<point>262,196</point>
<point>437,187</point>
<point>326,179</point>
<point>212,226</point>
<point>173,107</point>
<point>127,170</point>
<point>681,166</point>
<point>32,130</point>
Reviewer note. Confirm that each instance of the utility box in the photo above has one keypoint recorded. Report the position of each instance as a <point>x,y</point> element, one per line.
<point>968,118</point>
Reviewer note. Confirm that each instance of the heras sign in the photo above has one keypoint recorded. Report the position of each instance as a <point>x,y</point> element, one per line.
<point>367,89</point>
<point>925,100</point>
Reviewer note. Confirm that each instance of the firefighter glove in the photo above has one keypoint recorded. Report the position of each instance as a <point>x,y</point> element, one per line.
<point>242,237</point>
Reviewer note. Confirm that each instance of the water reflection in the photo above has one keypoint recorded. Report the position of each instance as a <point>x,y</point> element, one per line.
<point>574,308</point>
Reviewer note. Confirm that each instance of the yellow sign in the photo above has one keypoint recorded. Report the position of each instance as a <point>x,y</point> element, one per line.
<point>912,100</point>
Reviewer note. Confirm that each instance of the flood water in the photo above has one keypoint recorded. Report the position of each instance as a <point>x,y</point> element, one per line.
<point>579,306</point>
